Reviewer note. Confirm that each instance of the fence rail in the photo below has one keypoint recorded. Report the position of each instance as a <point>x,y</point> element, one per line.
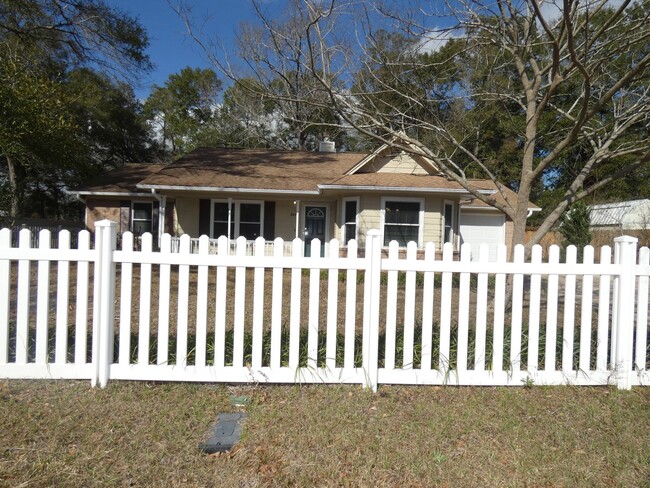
<point>132,313</point>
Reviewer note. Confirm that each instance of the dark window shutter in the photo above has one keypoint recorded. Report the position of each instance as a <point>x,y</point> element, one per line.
<point>124,224</point>
<point>269,221</point>
<point>204,217</point>
<point>155,220</point>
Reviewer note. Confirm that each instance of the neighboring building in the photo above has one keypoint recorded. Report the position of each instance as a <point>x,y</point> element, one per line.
<point>632,215</point>
<point>288,194</point>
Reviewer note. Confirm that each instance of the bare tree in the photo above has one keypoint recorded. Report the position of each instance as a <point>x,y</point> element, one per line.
<point>564,76</point>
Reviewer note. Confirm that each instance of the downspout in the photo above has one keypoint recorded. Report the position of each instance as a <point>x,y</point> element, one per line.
<point>162,200</point>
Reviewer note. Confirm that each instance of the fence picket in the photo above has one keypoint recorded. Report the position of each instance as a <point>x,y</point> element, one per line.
<point>534,312</point>
<point>314,303</point>
<point>551,311</point>
<point>332,308</point>
<point>5,290</point>
<point>183,304</point>
<point>144,323</point>
<point>294,319</point>
<point>125,302</point>
<point>221,287</point>
<point>585,312</point>
<point>42,301</point>
<point>409,308</point>
<point>463,310</point>
<point>481,311</point>
<point>499,312</point>
<point>444,361</point>
<point>427,307</point>
<point>568,322</point>
<point>276,306</point>
<point>604,294</point>
<point>391,307</point>
<point>517,311</point>
<point>81,319</point>
<point>642,313</point>
<point>62,301</point>
<point>22,303</point>
<point>258,306</point>
<point>202,305</point>
<point>350,308</point>
<point>162,354</point>
<point>240,306</point>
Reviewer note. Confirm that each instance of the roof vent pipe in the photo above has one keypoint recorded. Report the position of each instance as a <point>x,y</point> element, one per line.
<point>327,146</point>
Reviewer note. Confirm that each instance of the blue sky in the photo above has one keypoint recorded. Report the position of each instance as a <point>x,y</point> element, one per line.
<point>171,49</point>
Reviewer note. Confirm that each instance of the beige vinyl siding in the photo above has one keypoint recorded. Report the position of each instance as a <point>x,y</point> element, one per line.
<point>187,216</point>
<point>402,163</point>
<point>285,219</point>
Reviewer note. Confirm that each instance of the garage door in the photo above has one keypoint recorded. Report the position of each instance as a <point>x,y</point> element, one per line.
<point>478,228</point>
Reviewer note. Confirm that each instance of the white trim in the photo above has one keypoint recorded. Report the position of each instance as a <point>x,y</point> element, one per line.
<point>382,214</point>
<point>227,189</point>
<point>110,193</point>
<point>401,188</point>
<point>231,205</point>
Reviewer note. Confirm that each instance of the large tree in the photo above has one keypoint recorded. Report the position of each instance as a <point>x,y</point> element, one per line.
<point>43,132</point>
<point>184,107</point>
<point>508,90</point>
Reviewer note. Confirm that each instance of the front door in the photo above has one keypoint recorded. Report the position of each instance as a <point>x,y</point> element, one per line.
<point>315,225</point>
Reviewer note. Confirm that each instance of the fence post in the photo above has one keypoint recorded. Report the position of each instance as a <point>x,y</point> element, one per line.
<point>372,280</point>
<point>103,328</point>
<point>623,320</point>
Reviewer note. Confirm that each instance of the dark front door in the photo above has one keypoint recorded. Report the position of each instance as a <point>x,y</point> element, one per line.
<point>315,225</point>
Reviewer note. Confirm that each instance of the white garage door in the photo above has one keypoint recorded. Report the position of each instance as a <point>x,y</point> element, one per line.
<point>478,228</point>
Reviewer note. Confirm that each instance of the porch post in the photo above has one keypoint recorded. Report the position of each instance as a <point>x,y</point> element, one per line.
<point>297,205</point>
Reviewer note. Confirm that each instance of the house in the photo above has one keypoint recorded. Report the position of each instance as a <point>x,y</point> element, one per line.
<point>288,194</point>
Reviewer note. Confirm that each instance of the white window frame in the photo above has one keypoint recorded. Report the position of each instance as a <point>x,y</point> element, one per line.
<point>453,222</point>
<point>234,213</point>
<point>406,200</point>
<point>344,222</point>
<point>133,219</point>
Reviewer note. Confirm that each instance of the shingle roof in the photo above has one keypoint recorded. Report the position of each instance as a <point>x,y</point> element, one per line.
<point>253,169</point>
<point>272,170</point>
<point>122,179</point>
<point>616,213</point>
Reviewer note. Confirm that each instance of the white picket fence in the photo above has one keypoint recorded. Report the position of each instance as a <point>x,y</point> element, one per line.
<point>380,319</point>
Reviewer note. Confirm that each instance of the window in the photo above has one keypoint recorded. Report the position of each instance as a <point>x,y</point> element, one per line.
<point>142,218</point>
<point>245,219</point>
<point>349,228</point>
<point>402,221</point>
<point>449,223</point>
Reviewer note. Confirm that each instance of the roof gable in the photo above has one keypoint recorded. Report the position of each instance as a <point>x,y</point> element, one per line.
<point>387,160</point>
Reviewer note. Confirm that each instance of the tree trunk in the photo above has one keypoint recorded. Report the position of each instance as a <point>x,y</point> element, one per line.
<point>12,174</point>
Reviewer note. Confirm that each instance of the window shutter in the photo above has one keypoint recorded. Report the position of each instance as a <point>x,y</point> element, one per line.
<point>204,217</point>
<point>124,224</point>
<point>155,220</point>
<point>269,221</point>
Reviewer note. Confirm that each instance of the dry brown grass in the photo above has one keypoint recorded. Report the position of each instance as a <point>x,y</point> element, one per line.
<point>139,434</point>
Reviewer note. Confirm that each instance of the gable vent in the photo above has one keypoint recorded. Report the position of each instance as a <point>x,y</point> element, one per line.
<point>327,146</point>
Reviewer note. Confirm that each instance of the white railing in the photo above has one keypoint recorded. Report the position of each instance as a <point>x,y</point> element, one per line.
<point>285,318</point>
<point>212,246</point>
